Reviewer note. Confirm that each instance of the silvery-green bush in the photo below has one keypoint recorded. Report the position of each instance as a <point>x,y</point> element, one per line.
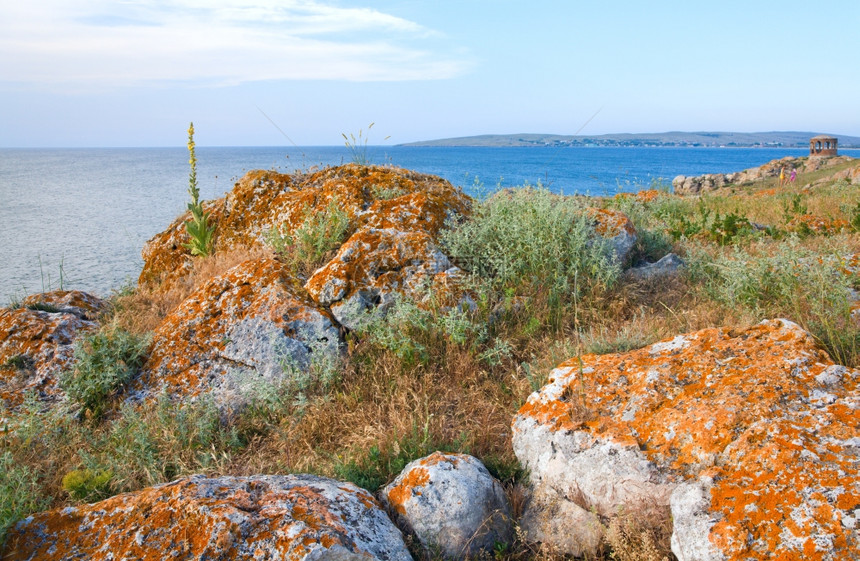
<point>530,238</point>
<point>104,362</point>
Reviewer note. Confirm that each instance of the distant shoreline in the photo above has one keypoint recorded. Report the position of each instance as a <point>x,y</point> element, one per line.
<point>775,139</point>
<point>595,146</point>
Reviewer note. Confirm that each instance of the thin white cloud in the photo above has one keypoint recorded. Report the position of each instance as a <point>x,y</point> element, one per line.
<point>136,42</point>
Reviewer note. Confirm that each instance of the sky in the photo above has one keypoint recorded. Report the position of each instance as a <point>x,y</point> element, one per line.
<point>91,73</point>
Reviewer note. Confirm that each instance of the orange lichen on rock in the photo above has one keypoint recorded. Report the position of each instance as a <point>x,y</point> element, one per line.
<point>410,484</point>
<point>37,341</point>
<point>411,481</point>
<point>452,504</point>
<point>762,412</point>
<point>249,321</point>
<point>373,267</point>
<point>259,517</point>
<point>610,223</point>
<point>617,228</point>
<point>265,200</point>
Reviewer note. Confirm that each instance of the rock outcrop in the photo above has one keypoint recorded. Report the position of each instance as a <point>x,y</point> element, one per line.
<point>299,517</point>
<point>376,266</point>
<point>247,326</point>
<point>452,504</point>
<point>37,342</point>
<point>749,436</point>
<point>263,201</point>
<point>684,185</point>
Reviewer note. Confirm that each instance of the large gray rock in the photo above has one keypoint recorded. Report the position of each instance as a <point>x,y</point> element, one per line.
<point>246,328</point>
<point>735,431</point>
<point>452,504</point>
<point>262,517</point>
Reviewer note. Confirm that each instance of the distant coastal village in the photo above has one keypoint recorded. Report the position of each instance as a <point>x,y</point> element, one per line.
<point>780,139</point>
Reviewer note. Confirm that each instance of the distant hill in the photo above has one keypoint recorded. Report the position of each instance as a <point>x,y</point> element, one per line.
<point>776,139</point>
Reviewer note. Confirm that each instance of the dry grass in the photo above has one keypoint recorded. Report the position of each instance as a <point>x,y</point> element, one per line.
<point>142,309</point>
<point>641,533</point>
<point>455,403</point>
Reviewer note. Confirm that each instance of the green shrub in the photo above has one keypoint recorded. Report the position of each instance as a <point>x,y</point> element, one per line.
<point>383,193</point>
<point>415,332</point>
<point>682,220</point>
<point>309,246</point>
<point>87,485</point>
<point>20,493</point>
<point>529,239</point>
<point>18,362</point>
<point>104,362</point>
<point>400,329</point>
<point>727,229</point>
<point>793,207</point>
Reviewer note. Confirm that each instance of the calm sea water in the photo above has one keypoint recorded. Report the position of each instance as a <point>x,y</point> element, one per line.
<point>81,216</point>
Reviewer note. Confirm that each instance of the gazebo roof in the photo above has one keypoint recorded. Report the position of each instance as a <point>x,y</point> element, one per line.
<point>823,137</point>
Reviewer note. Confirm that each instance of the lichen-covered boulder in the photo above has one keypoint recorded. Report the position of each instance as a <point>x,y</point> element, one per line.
<point>750,437</point>
<point>452,504</point>
<point>617,228</point>
<point>262,201</point>
<point>37,341</point>
<point>374,267</point>
<point>296,517</point>
<point>247,326</point>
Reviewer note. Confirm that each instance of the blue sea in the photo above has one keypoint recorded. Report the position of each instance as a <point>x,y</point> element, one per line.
<point>78,218</point>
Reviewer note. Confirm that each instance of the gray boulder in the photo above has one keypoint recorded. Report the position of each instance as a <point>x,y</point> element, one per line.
<point>666,266</point>
<point>242,330</point>
<point>452,504</point>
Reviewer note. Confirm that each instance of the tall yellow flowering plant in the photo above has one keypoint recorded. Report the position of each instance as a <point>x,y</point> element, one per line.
<point>198,228</point>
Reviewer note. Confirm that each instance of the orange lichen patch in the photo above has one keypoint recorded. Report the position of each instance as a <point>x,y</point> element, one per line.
<point>412,481</point>
<point>762,410</point>
<point>414,212</point>
<point>610,223</point>
<point>437,458</point>
<point>817,225</point>
<point>850,265</point>
<point>260,517</point>
<point>408,484</point>
<point>263,201</point>
<point>377,261</point>
<point>37,342</point>
<point>188,348</point>
<point>765,193</point>
<point>648,195</point>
